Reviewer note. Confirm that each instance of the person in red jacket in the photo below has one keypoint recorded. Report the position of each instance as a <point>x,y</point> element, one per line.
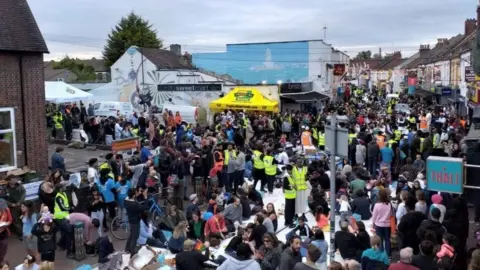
<point>5,221</point>
<point>215,228</point>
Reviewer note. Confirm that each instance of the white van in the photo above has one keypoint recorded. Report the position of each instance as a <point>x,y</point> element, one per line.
<point>190,114</point>
<point>113,108</point>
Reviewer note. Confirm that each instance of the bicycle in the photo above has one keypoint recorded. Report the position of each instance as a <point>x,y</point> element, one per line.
<point>156,212</point>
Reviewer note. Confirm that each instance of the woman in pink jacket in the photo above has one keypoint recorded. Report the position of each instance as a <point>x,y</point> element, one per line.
<point>382,211</point>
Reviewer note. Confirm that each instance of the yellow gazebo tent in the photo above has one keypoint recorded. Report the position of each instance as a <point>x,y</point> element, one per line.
<point>244,98</point>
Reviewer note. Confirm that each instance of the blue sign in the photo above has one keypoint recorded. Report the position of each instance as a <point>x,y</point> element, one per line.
<point>445,174</point>
<point>262,62</point>
<point>446,91</point>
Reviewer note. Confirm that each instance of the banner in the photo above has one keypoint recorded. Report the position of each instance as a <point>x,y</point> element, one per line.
<point>338,69</point>
<point>469,74</point>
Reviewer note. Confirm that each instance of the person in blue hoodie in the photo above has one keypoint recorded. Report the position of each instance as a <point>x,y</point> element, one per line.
<point>374,257</point>
<point>148,235</point>
<point>180,134</point>
<point>122,188</point>
<point>106,186</point>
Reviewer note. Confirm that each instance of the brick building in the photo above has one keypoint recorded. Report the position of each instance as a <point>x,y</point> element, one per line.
<point>22,90</point>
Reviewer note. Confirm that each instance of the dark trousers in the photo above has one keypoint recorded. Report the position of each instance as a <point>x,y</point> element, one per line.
<point>289,211</point>
<point>372,166</point>
<point>230,226</point>
<point>229,180</point>
<point>3,249</point>
<point>384,234</point>
<point>238,180</point>
<point>111,213</point>
<point>66,234</point>
<point>132,238</point>
<point>258,175</point>
<point>48,256</point>
<point>270,181</point>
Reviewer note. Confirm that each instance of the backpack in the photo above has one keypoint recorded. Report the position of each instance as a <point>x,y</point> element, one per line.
<point>164,161</point>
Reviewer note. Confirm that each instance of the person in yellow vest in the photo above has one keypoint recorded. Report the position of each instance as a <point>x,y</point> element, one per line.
<point>107,164</point>
<point>299,173</point>
<point>60,215</point>
<point>351,135</point>
<point>270,164</point>
<point>258,173</point>
<point>397,134</point>
<point>306,138</point>
<point>229,166</point>
<point>289,191</point>
<point>321,138</point>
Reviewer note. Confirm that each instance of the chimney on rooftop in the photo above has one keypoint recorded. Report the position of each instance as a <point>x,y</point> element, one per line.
<point>441,41</point>
<point>424,49</point>
<point>397,55</point>
<point>176,48</point>
<point>478,16</point>
<point>470,26</point>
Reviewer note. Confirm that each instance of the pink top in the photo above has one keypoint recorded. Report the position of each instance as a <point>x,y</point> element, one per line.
<point>381,214</point>
<point>88,228</point>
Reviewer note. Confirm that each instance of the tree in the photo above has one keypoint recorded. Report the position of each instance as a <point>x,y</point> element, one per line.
<point>85,73</point>
<point>377,56</point>
<point>132,30</point>
<point>363,55</point>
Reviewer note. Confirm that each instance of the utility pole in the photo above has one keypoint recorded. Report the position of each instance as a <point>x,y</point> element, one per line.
<point>336,145</point>
<point>380,52</point>
<point>325,33</point>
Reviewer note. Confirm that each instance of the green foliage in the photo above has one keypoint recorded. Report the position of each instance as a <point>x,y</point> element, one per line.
<point>85,73</point>
<point>132,30</point>
<point>363,55</point>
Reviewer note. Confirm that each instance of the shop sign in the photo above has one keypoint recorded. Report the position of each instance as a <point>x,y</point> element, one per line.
<point>244,96</point>
<point>445,174</point>
<point>469,74</point>
<point>289,88</point>
<point>126,147</point>
<point>338,69</point>
<point>189,87</point>
<point>446,91</point>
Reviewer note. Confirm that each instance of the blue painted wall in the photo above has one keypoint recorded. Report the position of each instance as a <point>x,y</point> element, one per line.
<point>254,63</point>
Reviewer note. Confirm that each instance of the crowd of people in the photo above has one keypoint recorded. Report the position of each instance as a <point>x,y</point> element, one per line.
<point>222,174</point>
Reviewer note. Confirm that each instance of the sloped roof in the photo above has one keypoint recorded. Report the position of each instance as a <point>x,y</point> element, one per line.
<point>443,52</point>
<point>165,59</point>
<point>372,63</point>
<point>98,65</point>
<point>464,45</point>
<point>18,29</point>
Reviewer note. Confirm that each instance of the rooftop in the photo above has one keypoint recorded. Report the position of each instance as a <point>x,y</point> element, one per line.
<point>18,29</point>
<point>165,59</point>
<point>275,42</point>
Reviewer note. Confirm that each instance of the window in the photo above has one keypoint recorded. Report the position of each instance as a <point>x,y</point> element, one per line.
<point>8,147</point>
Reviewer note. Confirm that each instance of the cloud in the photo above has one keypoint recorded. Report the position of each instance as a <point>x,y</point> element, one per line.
<point>80,27</point>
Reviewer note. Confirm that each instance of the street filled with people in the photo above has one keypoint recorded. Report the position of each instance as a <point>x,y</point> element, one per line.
<point>252,191</point>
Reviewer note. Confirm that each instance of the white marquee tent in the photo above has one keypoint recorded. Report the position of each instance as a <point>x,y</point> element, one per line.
<point>63,92</point>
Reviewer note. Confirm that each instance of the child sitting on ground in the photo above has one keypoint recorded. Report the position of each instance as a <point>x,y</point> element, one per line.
<point>322,220</point>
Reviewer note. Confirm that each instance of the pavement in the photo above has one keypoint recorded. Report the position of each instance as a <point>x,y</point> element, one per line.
<point>75,160</point>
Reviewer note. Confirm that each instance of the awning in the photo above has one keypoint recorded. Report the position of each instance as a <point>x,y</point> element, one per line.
<point>305,97</point>
<point>425,93</point>
<point>244,98</point>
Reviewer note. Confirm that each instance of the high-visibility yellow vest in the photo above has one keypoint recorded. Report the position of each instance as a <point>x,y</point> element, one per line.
<point>321,138</point>
<point>390,142</point>
<point>351,136</point>
<point>135,132</point>
<point>435,140</point>
<point>300,178</point>
<point>421,144</point>
<point>389,109</point>
<point>257,162</point>
<point>57,119</point>
<point>290,193</point>
<point>270,168</point>
<point>412,120</point>
<point>106,165</point>
<point>314,133</point>
<point>227,156</point>
<point>398,135</point>
<point>59,214</point>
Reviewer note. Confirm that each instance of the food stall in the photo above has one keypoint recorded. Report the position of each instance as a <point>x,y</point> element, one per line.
<point>245,99</point>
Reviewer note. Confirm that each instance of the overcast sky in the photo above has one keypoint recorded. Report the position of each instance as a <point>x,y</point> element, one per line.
<point>79,27</point>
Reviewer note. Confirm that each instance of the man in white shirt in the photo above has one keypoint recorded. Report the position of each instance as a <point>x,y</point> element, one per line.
<point>282,157</point>
<point>92,173</point>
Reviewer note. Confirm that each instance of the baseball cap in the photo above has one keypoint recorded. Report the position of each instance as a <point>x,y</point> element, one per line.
<point>193,197</point>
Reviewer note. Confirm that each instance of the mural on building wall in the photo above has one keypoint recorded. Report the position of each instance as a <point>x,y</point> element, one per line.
<point>260,62</point>
<point>142,91</point>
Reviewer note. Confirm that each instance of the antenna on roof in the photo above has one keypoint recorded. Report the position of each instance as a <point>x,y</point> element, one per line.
<point>325,32</point>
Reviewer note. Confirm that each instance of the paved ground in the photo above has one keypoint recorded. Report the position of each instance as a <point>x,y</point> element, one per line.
<point>75,160</point>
